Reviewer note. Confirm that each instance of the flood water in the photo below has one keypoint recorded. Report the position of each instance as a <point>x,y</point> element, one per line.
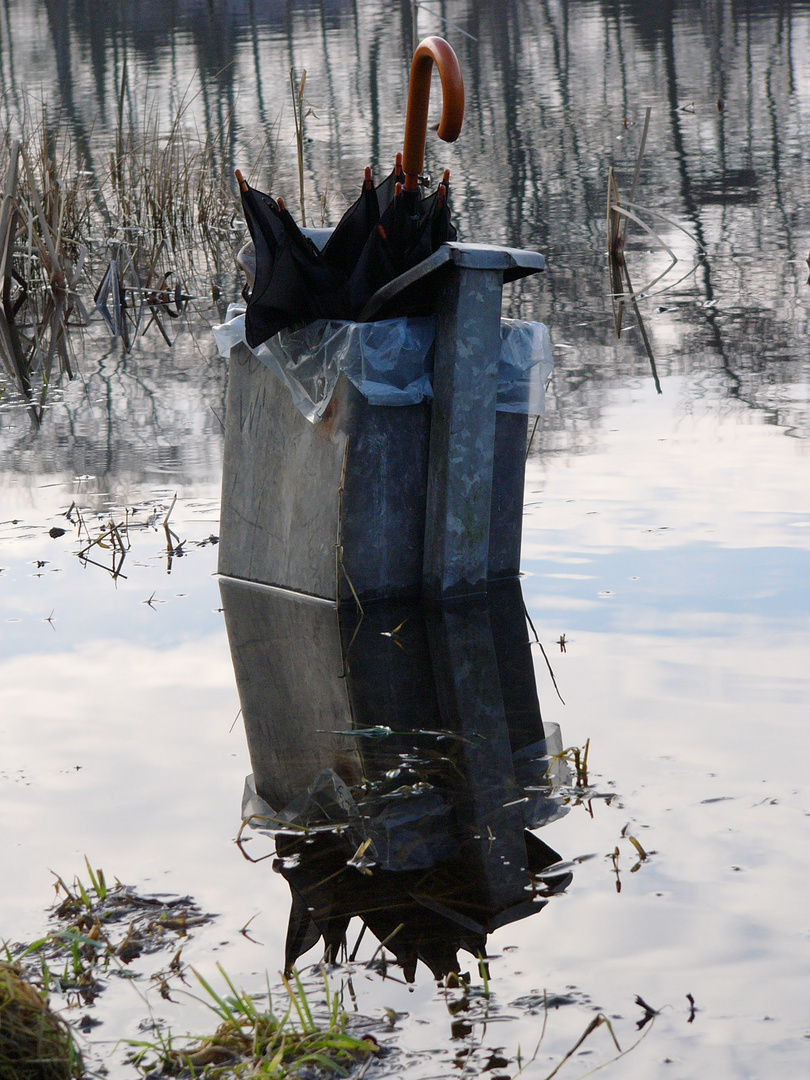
<point>666,544</point>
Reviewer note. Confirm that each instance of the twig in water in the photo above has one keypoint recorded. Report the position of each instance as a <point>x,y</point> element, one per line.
<point>649,1013</point>
<point>346,575</point>
<point>642,854</point>
<point>597,1021</point>
<point>82,523</point>
<point>176,548</point>
<point>384,942</point>
<point>643,330</point>
<point>531,437</point>
<point>114,571</point>
<point>240,841</point>
<point>615,252</point>
<point>441,18</point>
<point>116,535</point>
<point>357,943</point>
<point>592,1026</point>
<point>633,186</point>
<point>244,930</point>
<point>537,641</point>
<point>550,670</point>
<point>614,856</point>
<point>531,624</point>
<point>169,511</point>
<point>618,225</point>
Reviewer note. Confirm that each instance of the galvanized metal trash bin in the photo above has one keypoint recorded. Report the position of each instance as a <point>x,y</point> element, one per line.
<point>379,501</point>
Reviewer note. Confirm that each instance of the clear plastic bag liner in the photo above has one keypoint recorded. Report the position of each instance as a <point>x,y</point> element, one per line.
<point>542,772</point>
<point>524,367</point>
<point>409,833</point>
<point>390,362</point>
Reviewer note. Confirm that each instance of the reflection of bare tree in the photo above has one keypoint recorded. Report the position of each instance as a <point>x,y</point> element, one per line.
<point>142,415</point>
<point>556,93</point>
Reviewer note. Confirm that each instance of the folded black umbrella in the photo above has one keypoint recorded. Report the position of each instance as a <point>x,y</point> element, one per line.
<point>388,230</point>
<point>409,231</point>
<point>293,283</point>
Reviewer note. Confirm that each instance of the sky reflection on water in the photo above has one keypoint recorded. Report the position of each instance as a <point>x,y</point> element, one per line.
<point>686,662</point>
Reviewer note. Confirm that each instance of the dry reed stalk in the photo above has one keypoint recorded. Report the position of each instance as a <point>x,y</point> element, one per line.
<point>298,117</point>
<point>161,210</point>
<point>615,250</point>
<point>637,172</point>
<point>162,201</point>
<point>40,265</point>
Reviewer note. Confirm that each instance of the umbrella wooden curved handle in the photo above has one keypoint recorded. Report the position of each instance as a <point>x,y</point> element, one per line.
<point>433,50</point>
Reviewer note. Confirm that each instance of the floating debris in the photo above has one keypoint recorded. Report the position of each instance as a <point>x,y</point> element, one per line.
<point>100,929</point>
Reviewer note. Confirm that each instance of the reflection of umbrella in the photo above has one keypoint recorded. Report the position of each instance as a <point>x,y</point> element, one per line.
<point>427,914</point>
<point>386,232</point>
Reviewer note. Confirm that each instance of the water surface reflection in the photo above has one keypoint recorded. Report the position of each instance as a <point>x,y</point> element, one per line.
<point>402,762</point>
<point>664,536</point>
<point>556,94</point>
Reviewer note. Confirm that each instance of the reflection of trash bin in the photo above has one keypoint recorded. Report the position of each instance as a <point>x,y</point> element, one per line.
<point>403,776</point>
<point>393,461</point>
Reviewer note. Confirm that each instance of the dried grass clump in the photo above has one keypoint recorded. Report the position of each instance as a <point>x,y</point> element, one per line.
<point>35,1043</point>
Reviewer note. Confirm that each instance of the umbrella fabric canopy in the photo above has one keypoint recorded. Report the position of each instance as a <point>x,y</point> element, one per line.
<point>409,231</point>
<point>285,259</point>
<point>344,246</point>
<point>387,231</point>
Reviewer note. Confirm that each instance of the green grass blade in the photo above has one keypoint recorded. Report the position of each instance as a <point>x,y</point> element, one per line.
<point>240,997</point>
<point>304,1002</point>
<point>296,1004</point>
<point>222,1007</point>
<point>93,878</point>
<point>83,894</point>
